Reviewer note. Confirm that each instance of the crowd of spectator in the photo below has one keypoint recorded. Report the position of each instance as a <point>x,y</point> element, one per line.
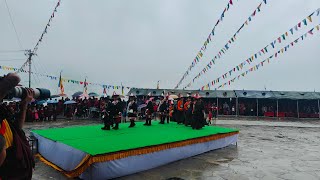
<point>92,108</point>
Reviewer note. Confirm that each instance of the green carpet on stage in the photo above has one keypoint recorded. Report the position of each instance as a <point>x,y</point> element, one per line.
<point>92,140</point>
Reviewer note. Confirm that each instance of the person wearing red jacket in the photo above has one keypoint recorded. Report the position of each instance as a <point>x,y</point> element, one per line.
<point>180,110</point>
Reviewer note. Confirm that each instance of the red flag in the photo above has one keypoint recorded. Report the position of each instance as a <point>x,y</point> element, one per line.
<point>230,2</point>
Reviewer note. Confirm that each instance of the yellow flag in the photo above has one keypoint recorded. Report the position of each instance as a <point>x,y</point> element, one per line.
<point>286,33</point>
<point>282,50</point>
<point>318,27</point>
<point>309,18</point>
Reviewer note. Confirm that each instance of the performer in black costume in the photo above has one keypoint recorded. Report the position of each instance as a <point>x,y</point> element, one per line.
<point>107,118</point>
<point>163,110</point>
<point>115,111</point>
<point>188,111</point>
<point>132,111</point>
<point>198,113</point>
<point>149,112</point>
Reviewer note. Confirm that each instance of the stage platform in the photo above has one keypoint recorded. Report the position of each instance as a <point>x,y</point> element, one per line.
<point>91,153</point>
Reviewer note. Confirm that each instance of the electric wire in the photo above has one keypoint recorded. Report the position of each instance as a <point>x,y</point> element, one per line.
<point>14,27</point>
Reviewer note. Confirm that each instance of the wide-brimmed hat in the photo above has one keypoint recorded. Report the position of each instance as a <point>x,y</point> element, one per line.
<point>197,96</point>
<point>115,95</point>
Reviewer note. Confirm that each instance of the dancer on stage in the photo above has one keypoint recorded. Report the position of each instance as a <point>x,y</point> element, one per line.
<point>132,110</point>
<point>188,107</point>
<point>171,108</point>
<point>198,113</point>
<point>107,118</point>
<point>180,110</point>
<point>149,112</point>
<point>115,111</point>
<point>162,110</point>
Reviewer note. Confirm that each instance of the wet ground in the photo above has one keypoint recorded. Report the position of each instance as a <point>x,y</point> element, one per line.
<point>266,150</point>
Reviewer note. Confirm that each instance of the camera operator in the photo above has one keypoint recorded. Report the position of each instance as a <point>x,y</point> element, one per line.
<point>19,162</point>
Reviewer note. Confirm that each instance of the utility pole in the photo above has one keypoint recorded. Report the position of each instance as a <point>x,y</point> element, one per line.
<point>30,54</point>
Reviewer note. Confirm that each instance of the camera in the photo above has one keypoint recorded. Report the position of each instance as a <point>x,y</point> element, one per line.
<point>20,92</point>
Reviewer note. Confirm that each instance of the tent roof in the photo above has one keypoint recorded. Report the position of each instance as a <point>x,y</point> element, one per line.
<point>296,95</point>
<point>225,94</point>
<point>254,94</point>
<point>230,93</point>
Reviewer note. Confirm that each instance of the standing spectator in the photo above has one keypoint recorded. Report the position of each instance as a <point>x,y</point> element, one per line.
<point>233,110</point>
<point>41,113</point>
<point>46,113</point>
<point>54,113</point>
<point>50,112</point>
<point>35,114</point>
<point>209,117</point>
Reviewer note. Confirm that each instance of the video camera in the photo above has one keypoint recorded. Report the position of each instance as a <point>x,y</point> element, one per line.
<point>20,92</point>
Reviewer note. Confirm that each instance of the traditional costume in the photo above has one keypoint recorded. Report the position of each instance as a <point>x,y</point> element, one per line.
<point>106,117</point>
<point>180,110</point>
<point>163,110</point>
<point>115,111</point>
<point>188,107</point>
<point>132,110</point>
<point>198,120</point>
<point>149,112</point>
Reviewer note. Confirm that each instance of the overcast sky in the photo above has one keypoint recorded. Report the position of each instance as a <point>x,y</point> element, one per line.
<point>142,41</point>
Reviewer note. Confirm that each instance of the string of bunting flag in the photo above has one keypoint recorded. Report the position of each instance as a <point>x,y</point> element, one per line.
<point>206,43</point>
<point>226,47</point>
<point>260,64</point>
<point>43,33</point>
<point>265,49</point>
<point>8,68</point>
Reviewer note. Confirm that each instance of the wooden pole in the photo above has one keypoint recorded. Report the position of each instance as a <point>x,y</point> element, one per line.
<point>277,108</point>
<point>217,107</point>
<point>319,108</point>
<point>298,109</point>
<point>237,107</point>
<point>257,108</point>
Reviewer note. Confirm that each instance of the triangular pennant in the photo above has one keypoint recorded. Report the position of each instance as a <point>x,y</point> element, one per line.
<point>305,21</point>
<point>309,18</point>
<point>291,30</point>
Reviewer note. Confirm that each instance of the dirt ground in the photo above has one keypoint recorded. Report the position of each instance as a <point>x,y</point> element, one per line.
<point>266,150</point>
